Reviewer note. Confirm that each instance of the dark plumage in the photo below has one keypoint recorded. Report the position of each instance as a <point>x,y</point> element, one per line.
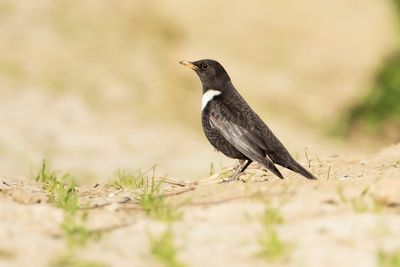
<point>233,128</point>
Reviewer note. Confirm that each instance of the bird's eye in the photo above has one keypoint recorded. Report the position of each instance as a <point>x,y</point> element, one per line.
<point>204,66</point>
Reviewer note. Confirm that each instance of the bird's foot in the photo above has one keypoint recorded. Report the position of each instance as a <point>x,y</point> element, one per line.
<point>233,178</point>
<point>228,180</point>
<point>243,164</point>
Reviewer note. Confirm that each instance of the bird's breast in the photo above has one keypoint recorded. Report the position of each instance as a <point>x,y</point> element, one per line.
<point>208,96</point>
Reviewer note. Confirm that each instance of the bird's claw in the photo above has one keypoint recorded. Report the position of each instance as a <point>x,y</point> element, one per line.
<point>233,178</point>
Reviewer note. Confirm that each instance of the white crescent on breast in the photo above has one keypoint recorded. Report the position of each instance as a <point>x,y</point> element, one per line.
<point>208,96</point>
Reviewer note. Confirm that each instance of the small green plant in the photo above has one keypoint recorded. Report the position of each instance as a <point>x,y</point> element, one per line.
<point>340,192</point>
<point>272,216</point>
<point>5,254</point>
<point>148,194</point>
<point>163,249</point>
<point>153,202</point>
<point>272,248</point>
<point>69,260</point>
<point>388,259</point>
<point>59,191</point>
<point>125,180</point>
<point>45,176</point>
<point>76,233</point>
<point>212,169</point>
<point>62,193</point>
<point>359,204</point>
<point>308,159</point>
<point>66,196</point>
<point>365,203</point>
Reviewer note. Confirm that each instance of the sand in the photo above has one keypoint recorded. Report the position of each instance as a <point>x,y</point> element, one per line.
<point>343,219</point>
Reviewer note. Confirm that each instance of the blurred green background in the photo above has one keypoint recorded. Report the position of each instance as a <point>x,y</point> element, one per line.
<point>95,86</point>
<point>377,113</point>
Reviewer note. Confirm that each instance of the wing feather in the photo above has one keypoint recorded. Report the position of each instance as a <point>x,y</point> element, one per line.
<point>249,143</point>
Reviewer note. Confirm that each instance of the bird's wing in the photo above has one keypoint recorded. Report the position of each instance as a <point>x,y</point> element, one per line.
<point>247,140</point>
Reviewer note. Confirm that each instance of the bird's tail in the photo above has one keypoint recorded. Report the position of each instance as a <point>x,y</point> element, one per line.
<point>271,167</point>
<point>296,167</point>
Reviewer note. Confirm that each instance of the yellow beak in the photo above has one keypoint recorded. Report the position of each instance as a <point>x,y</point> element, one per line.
<point>189,65</point>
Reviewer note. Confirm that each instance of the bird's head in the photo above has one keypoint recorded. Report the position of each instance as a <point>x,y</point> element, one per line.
<point>210,72</point>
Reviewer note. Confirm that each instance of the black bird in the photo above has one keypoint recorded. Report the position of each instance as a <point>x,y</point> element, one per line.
<point>233,128</point>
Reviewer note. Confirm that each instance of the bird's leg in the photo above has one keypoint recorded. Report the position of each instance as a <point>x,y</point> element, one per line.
<point>248,162</point>
<point>238,170</point>
<point>243,164</point>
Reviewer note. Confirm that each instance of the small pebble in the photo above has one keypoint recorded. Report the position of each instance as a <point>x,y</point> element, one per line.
<point>344,177</point>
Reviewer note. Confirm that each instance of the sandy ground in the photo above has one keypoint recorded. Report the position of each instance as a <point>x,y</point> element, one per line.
<point>342,219</point>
